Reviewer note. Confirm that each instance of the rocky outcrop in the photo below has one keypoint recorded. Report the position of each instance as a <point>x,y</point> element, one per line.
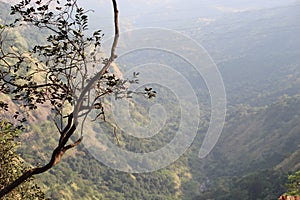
<point>286,197</point>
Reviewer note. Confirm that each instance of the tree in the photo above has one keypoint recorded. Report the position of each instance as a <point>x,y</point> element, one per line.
<point>293,186</point>
<point>57,74</point>
<point>12,165</point>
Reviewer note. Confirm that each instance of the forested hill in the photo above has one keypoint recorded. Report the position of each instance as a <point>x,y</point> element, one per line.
<point>258,147</point>
<point>260,138</point>
<point>257,52</point>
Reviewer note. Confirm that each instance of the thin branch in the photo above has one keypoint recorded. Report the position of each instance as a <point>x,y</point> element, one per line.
<point>89,86</point>
<point>73,144</point>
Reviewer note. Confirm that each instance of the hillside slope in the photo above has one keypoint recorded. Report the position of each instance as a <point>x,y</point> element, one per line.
<point>261,136</point>
<point>257,53</point>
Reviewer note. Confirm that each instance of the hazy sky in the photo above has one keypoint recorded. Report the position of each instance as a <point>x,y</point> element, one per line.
<point>170,13</point>
<point>174,14</point>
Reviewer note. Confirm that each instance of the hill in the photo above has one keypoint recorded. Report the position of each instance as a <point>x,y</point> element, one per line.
<point>257,53</point>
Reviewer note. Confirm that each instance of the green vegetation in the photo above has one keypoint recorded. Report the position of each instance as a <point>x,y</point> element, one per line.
<point>265,184</point>
<point>12,165</point>
<point>293,185</point>
<point>54,73</point>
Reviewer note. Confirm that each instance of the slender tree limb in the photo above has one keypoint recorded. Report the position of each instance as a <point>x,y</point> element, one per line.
<point>73,144</point>
<point>89,86</point>
<point>116,17</point>
<point>70,118</point>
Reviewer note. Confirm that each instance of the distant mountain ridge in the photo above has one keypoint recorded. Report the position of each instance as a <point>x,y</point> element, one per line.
<point>257,53</point>
<point>260,138</point>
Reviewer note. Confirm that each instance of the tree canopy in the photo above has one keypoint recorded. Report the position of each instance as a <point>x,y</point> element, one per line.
<point>67,74</point>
